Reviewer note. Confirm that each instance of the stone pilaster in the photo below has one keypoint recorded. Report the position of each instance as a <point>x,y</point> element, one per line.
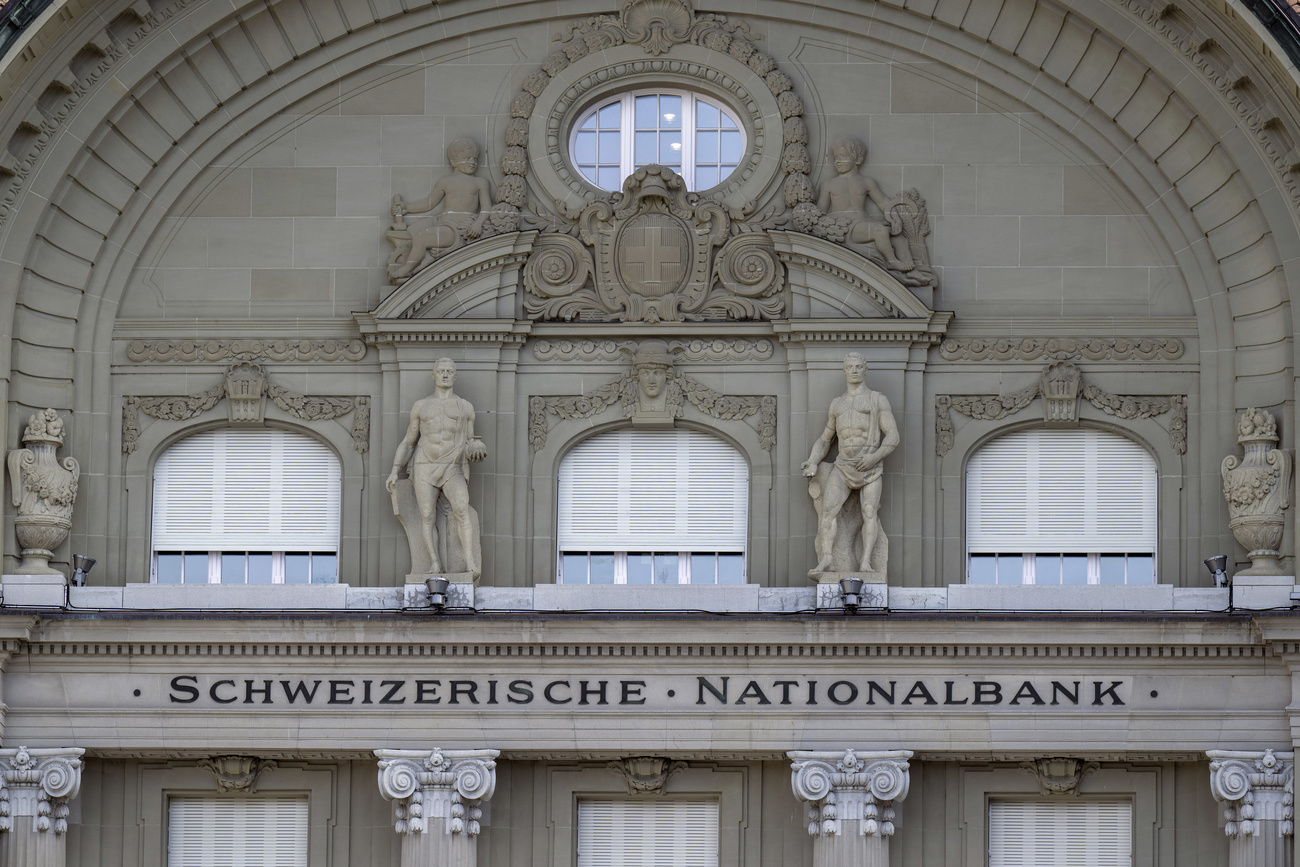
<point>1257,791</point>
<point>436,797</point>
<point>850,797</point>
<point>38,783</point>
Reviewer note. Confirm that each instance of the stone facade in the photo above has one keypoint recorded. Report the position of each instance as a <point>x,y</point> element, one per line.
<point>1032,216</point>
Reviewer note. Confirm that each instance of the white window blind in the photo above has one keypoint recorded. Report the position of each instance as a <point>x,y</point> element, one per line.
<point>1060,833</point>
<point>647,833</point>
<point>634,490</point>
<point>246,490</point>
<point>1062,491</point>
<point>237,832</point>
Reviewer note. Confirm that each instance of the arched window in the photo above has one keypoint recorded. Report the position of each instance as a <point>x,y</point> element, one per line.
<point>653,507</point>
<point>697,138</point>
<point>1061,507</point>
<point>246,506</point>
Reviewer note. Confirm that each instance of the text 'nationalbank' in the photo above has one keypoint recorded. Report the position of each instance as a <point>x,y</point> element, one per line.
<point>697,692</point>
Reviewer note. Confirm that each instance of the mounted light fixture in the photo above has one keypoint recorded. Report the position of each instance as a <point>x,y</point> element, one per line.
<point>1218,565</point>
<point>81,566</point>
<point>437,592</point>
<point>851,588</point>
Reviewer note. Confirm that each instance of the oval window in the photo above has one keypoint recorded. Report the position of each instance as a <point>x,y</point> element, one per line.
<point>694,136</point>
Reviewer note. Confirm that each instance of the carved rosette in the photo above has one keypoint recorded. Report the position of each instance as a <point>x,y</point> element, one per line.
<point>850,786</point>
<point>1258,489</point>
<point>652,260</point>
<point>1254,788</point>
<point>44,491</point>
<point>425,785</point>
<point>38,783</point>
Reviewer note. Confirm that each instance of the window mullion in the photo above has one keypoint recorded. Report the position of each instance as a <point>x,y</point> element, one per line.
<point>627,136</point>
<point>688,140</point>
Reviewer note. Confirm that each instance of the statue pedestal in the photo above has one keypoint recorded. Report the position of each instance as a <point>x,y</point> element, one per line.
<point>37,591</point>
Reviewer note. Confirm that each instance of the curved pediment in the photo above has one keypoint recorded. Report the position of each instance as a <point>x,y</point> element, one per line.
<point>477,281</point>
<point>826,280</point>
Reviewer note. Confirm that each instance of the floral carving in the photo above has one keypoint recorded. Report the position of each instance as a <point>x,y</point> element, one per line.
<point>1059,776</point>
<point>236,773</point>
<point>1258,489</point>
<point>1062,349</point>
<point>696,349</point>
<point>245,384</point>
<point>626,392</point>
<point>646,775</point>
<point>1060,379</point>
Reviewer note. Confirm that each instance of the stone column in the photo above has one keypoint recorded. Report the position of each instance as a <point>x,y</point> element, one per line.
<point>436,796</point>
<point>1256,790</point>
<point>38,783</point>
<point>850,797</point>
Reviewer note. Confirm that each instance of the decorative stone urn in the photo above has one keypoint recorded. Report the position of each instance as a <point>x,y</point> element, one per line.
<point>43,491</point>
<point>1257,488</point>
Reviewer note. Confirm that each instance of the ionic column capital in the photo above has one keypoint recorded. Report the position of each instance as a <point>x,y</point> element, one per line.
<point>850,786</point>
<point>1254,787</point>
<point>39,783</point>
<point>431,784</point>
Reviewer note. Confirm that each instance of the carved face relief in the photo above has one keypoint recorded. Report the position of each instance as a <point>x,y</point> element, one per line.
<point>444,373</point>
<point>654,255</point>
<point>652,380</point>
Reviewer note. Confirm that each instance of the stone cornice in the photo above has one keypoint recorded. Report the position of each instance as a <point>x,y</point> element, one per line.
<point>930,330</point>
<point>380,332</point>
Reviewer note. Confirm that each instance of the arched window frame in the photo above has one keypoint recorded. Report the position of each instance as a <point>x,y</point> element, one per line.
<point>1085,516</point>
<point>302,551</point>
<point>645,527</point>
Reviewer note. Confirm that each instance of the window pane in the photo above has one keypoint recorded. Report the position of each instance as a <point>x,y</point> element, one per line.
<point>611,115</point>
<point>732,147</point>
<point>1141,569</point>
<point>1047,569</point>
<point>983,568</point>
<point>169,568</point>
<point>589,123</point>
<point>609,148</point>
<point>666,569</point>
<point>731,568</point>
<point>670,111</point>
<point>1011,569</point>
<point>573,569</point>
<point>706,116</point>
<point>647,112</point>
<point>646,142</point>
<point>704,568</point>
<point>1074,569</point>
<point>584,148</point>
<point>602,568</point>
<point>706,177</point>
<point>297,568</point>
<point>259,567</point>
<point>727,123</point>
<point>609,179</point>
<point>706,148</point>
<point>324,568</point>
<point>196,568</point>
<point>1112,569</point>
<point>640,568</point>
<point>670,148</point>
<point>233,568</point>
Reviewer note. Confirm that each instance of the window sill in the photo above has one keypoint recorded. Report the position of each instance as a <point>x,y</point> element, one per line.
<point>646,597</point>
<point>1090,597</point>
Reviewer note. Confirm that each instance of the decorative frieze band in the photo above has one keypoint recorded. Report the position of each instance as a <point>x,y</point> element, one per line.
<point>244,387</point>
<point>850,786</point>
<point>246,350</point>
<point>1062,349</point>
<point>699,349</point>
<point>1060,386</point>
<point>1254,787</point>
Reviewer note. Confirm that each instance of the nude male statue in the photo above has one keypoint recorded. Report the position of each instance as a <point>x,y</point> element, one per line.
<point>862,421</point>
<point>844,198</point>
<point>441,440</point>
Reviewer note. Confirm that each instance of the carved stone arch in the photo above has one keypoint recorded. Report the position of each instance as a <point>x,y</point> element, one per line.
<point>135,493</point>
<point>1173,564</point>
<point>563,437</point>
